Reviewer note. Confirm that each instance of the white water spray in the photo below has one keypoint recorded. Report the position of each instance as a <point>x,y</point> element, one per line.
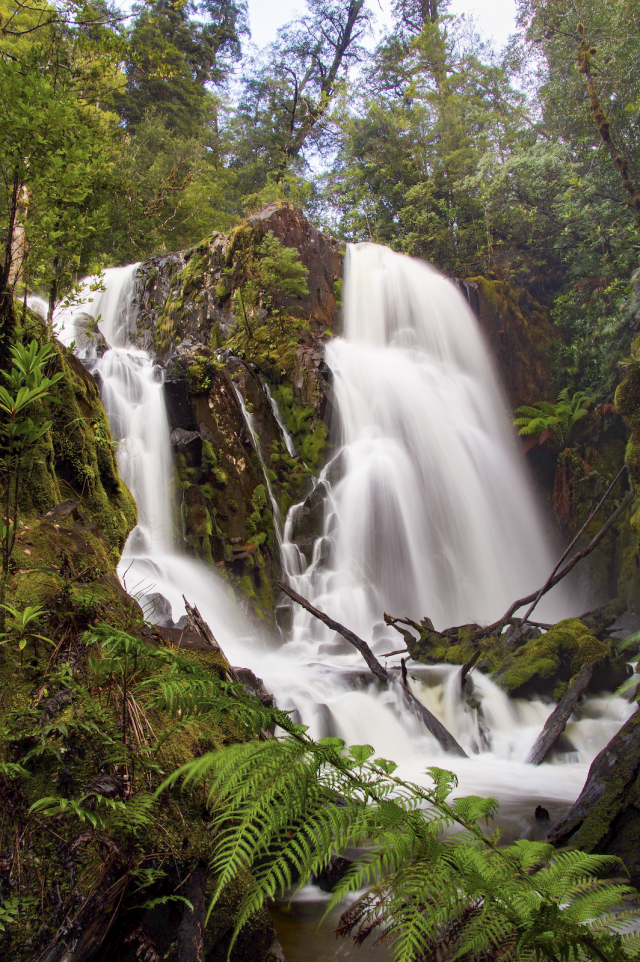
<point>432,516</point>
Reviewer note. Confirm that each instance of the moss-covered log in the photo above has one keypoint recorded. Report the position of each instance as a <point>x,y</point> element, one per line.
<point>606,817</point>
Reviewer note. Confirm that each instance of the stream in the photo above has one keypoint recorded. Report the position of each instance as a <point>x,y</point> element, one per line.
<point>432,513</point>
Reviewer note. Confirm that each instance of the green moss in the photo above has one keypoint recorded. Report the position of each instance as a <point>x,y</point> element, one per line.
<point>199,373</point>
<point>259,498</point>
<point>209,459</point>
<point>555,656</point>
<point>199,521</point>
<point>246,586</point>
<point>314,444</point>
<point>77,458</point>
<point>455,655</point>
<point>220,477</point>
<point>309,434</point>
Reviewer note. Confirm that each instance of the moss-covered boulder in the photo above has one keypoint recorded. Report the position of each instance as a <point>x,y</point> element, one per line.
<point>544,665</point>
<point>76,459</point>
<point>525,662</point>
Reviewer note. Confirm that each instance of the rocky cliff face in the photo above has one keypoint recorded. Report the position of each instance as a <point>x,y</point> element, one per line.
<point>230,378</point>
<point>521,335</point>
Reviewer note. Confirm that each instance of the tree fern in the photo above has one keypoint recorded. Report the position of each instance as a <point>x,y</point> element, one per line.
<point>282,808</point>
<point>553,420</point>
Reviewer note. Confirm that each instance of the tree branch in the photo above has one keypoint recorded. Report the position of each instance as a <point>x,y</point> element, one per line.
<point>437,729</point>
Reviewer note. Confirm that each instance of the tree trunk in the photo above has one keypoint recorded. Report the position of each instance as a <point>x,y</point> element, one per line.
<point>191,932</point>
<point>557,720</point>
<point>437,729</point>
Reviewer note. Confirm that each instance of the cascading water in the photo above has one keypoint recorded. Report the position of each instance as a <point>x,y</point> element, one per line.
<point>132,394</point>
<point>432,515</point>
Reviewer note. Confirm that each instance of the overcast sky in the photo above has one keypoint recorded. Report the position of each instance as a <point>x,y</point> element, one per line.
<point>495,18</point>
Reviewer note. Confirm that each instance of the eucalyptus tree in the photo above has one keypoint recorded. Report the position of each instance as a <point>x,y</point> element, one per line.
<point>437,103</point>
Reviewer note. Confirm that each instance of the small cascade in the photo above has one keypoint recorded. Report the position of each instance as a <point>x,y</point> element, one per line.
<point>131,386</point>
<point>288,440</point>
<point>248,420</point>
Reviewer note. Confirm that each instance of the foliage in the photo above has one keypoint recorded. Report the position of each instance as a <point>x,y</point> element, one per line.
<point>289,91</point>
<point>22,424</point>
<point>22,625</point>
<point>567,427</point>
<point>264,276</point>
<point>113,714</point>
<point>285,806</point>
<point>57,158</point>
<point>176,52</point>
<point>548,421</point>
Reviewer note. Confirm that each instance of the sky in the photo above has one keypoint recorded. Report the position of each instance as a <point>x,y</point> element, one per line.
<point>495,18</point>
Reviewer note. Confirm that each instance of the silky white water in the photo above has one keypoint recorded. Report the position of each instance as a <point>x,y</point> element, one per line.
<point>433,515</point>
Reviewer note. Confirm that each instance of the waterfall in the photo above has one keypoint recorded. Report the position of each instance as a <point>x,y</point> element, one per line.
<point>131,387</point>
<point>434,515</point>
<point>430,514</point>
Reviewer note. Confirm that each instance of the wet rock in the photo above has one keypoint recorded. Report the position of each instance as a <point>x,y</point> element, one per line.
<point>319,254</point>
<point>284,613</point>
<point>254,686</point>
<point>308,518</point>
<point>87,336</point>
<point>541,814</point>
<point>544,665</point>
<point>332,873</point>
<point>601,619</point>
<point>181,437</point>
<point>157,609</point>
<point>521,334</point>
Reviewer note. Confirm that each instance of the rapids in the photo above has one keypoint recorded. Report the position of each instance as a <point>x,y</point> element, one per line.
<point>432,513</point>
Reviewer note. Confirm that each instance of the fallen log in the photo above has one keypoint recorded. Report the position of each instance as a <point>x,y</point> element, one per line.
<point>437,729</point>
<point>557,720</point>
<point>605,819</point>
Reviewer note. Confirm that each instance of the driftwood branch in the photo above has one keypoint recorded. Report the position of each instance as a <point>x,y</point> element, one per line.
<point>570,565</point>
<point>437,729</point>
<point>557,720</point>
<point>198,625</point>
<point>575,541</point>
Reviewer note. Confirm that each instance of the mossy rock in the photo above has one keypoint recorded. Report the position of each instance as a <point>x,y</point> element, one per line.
<point>541,665</point>
<point>76,459</point>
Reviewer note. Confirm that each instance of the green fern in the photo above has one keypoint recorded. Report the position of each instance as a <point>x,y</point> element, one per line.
<point>558,419</point>
<point>282,808</point>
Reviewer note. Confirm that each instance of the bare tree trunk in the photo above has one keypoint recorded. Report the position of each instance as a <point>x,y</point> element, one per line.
<point>585,53</point>
<point>191,932</point>
<point>19,241</point>
<point>606,817</point>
